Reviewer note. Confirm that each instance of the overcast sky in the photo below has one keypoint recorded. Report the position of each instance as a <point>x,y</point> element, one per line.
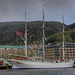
<point>14,10</point>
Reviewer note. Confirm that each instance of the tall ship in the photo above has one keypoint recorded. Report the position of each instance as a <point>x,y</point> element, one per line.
<point>28,64</point>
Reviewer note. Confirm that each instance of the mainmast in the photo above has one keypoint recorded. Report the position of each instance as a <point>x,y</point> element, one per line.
<point>25,35</point>
<point>43,37</point>
<point>63,36</point>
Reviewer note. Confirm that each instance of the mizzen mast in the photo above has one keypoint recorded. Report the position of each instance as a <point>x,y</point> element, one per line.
<point>63,36</point>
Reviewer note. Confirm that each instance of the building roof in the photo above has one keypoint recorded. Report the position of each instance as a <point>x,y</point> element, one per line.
<point>8,46</point>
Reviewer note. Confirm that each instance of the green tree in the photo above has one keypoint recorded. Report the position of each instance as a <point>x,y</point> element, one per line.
<point>3,55</point>
<point>68,38</point>
<point>31,54</point>
<point>13,52</point>
<point>22,52</point>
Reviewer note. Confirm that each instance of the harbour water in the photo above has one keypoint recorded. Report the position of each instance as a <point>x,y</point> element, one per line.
<point>70,71</point>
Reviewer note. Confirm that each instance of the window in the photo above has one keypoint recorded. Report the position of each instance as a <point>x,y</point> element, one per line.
<point>3,48</point>
<point>61,54</point>
<point>67,57</point>
<point>67,54</point>
<point>73,54</point>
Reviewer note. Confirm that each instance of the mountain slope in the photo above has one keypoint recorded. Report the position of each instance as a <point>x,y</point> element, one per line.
<point>69,37</point>
<point>8,31</point>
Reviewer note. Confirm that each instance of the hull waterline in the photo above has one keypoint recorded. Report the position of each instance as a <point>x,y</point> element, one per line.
<point>33,65</point>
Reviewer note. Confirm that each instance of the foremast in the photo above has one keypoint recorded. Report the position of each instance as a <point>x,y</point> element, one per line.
<point>25,35</point>
<point>43,38</point>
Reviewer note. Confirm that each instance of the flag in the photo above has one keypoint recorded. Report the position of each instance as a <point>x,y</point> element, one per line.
<point>19,33</point>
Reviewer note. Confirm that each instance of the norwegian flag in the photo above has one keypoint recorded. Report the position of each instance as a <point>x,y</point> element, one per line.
<point>19,33</point>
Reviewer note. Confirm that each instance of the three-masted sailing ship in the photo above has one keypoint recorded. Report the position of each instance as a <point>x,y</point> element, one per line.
<point>28,64</point>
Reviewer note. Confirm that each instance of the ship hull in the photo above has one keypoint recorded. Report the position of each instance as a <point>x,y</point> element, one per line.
<point>43,65</point>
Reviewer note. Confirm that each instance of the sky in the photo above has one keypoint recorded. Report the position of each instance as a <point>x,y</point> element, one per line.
<point>14,10</point>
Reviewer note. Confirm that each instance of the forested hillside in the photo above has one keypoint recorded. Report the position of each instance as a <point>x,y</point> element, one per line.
<point>69,37</point>
<point>8,32</point>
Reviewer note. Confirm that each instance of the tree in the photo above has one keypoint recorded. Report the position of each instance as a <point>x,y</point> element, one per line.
<point>31,54</point>
<point>3,55</point>
<point>13,52</point>
<point>21,52</point>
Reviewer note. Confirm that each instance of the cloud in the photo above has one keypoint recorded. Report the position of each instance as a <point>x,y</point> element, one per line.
<point>14,10</point>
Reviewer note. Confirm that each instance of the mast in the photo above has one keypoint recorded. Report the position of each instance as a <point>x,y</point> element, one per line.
<point>63,36</point>
<point>43,38</point>
<point>25,34</point>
